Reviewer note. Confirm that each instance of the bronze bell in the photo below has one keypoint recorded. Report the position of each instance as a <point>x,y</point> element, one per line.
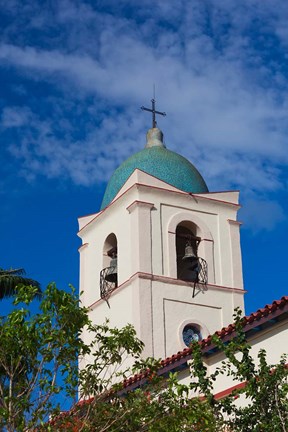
<point>190,270</point>
<point>189,253</point>
<point>190,267</point>
<point>111,275</point>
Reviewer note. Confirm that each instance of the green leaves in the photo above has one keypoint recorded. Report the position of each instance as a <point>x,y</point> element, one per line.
<point>263,396</point>
<point>38,354</point>
<point>38,361</point>
<point>11,279</point>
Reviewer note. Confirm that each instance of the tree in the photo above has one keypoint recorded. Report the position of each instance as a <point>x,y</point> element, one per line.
<point>10,279</point>
<point>38,356</point>
<point>164,404</point>
<point>38,364</point>
<point>264,392</point>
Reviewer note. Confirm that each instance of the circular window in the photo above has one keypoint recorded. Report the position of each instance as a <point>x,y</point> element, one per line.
<point>190,334</point>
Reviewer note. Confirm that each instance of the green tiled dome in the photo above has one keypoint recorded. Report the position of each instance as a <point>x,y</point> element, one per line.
<point>156,160</point>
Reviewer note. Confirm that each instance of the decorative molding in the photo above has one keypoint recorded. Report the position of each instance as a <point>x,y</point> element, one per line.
<point>234,222</point>
<point>168,280</point>
<point>139,185</point>
<point>83,246</point>
<point>138,203</point>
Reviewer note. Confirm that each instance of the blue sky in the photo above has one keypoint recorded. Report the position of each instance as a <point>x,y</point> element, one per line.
<point>73,77</point>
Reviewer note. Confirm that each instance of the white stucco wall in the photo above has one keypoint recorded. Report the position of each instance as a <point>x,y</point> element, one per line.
<point>144,217</point>
<point>271,340</point>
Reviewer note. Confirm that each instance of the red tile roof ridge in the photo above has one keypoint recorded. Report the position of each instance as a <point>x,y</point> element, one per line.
<point>247,320</point>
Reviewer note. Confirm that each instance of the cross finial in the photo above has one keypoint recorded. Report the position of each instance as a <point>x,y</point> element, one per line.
<point>154,112</point>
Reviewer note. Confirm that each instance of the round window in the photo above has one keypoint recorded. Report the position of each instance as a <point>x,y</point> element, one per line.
<point>190,334</point>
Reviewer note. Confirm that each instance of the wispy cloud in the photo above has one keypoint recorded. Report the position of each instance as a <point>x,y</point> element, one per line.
<point>262,215</point>
<point>15,117</point>
<point>220,73</point>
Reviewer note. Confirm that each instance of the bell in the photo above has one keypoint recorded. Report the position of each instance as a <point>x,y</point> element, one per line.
<point>111,275</point>
<point>190,275</point>
<point>189,253</point>
<point>190,268</point>
<point>190,271</point>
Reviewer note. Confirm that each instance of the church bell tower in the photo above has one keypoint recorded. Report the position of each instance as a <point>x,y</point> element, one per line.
<point>163,253</point>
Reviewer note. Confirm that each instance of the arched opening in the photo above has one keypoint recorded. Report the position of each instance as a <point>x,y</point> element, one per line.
<point>109,249</point>
<point>109,273</point>
<point>187,250</point>
<point>190,267</point>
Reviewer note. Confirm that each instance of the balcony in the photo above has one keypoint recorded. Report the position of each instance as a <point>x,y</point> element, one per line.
<point>108,281</point>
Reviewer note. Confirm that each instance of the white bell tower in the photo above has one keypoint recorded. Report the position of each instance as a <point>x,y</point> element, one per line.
<point>163,253</point>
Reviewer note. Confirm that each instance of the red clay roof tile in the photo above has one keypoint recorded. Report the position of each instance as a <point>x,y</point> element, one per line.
<point>247,320</point>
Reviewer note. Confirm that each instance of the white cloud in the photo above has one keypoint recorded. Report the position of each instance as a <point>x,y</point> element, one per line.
<point>14,117</point>
<point>87,161</point>
<point>261,215</point>
<point>216,75</point>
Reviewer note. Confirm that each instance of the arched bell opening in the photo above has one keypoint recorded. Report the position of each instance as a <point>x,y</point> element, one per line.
<point>190,267</point>
<point>109,273</point>
<point>187,251</point>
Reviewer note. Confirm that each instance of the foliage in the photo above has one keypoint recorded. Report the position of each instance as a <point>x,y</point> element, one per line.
<point>10,279</point>
<point>163,404</point>
<point>263,397</point>
<point>35,352</point>
<point>159,406</point>
<point>37,363</point>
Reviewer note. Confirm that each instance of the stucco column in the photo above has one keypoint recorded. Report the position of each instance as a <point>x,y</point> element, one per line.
<point>206,250</point>
<point>141,236</point>
<point>83,274</point>
<point>237,277</point>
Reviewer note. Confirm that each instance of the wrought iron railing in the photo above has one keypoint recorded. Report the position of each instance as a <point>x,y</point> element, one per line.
<point>195,270</point>
<point>106,285</point>
<point>202,271</point>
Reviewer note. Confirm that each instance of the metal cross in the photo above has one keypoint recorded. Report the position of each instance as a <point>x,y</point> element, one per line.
<point>154,112</point>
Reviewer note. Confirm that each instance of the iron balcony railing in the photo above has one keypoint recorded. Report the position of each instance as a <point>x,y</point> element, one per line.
<point>194,270</point>
<point>108,282</point>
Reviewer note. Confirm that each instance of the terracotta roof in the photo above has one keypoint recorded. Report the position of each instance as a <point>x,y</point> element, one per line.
<point>255,319</point>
